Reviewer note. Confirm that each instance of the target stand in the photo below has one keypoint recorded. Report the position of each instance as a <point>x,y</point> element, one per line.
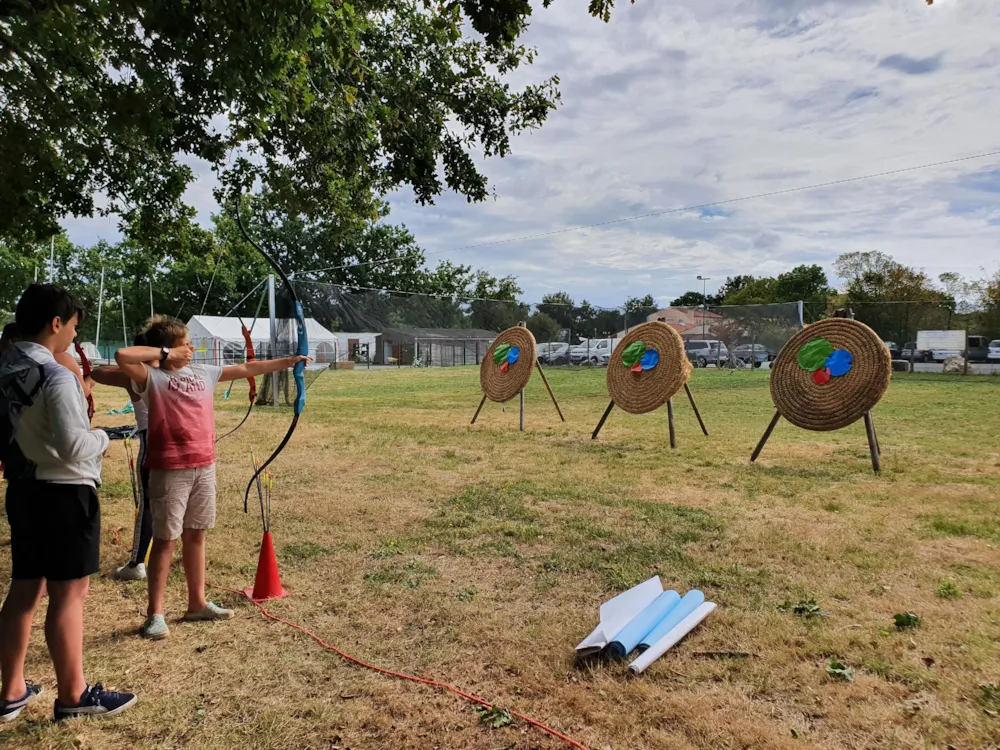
<point>506,370</point>
<point>645,371</point>
<point>828,376</point>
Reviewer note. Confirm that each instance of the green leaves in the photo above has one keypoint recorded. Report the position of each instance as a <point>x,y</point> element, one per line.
<point>812,356</point>
<point>494,716</point>
<point>633,353</point>
<point>836,669</point>
<point>907,621</point>
<point>329,105</point>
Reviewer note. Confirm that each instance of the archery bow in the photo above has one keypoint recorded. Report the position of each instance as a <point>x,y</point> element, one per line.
<point>85,366</point>
<point>250,357</point>
<point>298,371</point>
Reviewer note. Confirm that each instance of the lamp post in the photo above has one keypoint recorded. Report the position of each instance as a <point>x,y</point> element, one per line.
<point>704,300</point>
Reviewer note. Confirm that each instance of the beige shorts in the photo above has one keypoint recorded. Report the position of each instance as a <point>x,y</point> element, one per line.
<point>181,499</point>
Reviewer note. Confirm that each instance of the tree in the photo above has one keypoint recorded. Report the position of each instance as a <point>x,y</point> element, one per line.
<point>494,306</point>
<point>690,299</point>
<point>328,106</point>
<point>637,309</point>
<point>543,327</point>
<point>559,306</point>
<point>893,299</point>
<point>803,283</point>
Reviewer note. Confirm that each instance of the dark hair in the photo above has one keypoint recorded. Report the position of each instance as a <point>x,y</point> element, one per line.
<point>40,304</point>
<point>165,331</point>
<point>9,332</point>
<point>140,339</point>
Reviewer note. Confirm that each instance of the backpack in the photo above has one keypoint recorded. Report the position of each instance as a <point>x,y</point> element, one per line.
<point>21,379</point>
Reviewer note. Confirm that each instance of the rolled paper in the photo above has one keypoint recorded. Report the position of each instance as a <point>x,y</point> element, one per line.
<point>500,353</point>
<point>672,638</point>
<point>650,359</point>
<point>642,625</point>
<point>821,377</point>
<point>616,613</point>
<point>633,353</point>
<point>839,363</point>
<point>691,601</point>
<point>812,356</point>
<point>513,355</point>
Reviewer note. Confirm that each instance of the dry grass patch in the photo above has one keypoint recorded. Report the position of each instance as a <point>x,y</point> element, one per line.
<point>479,555</point>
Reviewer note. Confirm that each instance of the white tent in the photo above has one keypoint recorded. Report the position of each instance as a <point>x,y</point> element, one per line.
<point>220,340</point>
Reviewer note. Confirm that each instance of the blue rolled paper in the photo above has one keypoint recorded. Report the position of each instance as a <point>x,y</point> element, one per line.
<point>691,601</point>
<point>642,624</point>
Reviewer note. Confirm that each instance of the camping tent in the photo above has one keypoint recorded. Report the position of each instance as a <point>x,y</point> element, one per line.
<point>220,341</point>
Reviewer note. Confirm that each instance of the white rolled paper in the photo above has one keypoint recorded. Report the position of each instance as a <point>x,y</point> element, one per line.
<point>658,649</point>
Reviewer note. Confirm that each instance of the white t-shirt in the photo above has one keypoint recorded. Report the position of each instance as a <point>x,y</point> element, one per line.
<point>181,422</point>
<point>141,415</point>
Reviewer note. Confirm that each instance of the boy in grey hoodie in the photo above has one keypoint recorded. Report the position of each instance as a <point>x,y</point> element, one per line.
<point>52,463</point>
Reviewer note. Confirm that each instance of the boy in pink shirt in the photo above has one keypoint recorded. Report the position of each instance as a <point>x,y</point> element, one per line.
<point>181,457</point>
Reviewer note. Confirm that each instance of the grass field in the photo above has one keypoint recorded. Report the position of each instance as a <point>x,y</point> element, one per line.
<point>479,556</point>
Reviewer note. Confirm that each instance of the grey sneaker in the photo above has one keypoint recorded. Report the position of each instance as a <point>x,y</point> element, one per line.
<point>155,628</point>
<point>210,612</point>
<point>9,710</point>
<point>130,572</point>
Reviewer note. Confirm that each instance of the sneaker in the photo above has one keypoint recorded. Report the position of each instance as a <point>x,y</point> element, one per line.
<point>130,572</point>
<point>155,628</point>
<point>96,701</point>
<point>9,710</point>
<point>210,612</point>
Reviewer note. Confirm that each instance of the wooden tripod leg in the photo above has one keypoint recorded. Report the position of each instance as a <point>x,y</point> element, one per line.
<point>481,405</point>
<point>670,423</point>
<point>604,419</point>
<point>878,447</point>
<point>549,389</point>
<point>766,435</point>
<point>873,443</point>
<point>522,411</point>
<point>694,406</point>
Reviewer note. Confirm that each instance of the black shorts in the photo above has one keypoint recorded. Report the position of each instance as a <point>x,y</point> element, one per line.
<point>55,530</point>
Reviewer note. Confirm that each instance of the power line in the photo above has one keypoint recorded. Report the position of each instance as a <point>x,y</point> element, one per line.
<point>665,212</point>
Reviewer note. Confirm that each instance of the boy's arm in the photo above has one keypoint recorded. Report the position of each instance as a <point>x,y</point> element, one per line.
<point>72,437</point>
<point>260,367</point>
<point>114,377</point>
<point>132,360</point>
<point>68,361</point>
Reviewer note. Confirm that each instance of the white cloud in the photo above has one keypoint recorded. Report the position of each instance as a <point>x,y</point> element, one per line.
<point>687,102</point>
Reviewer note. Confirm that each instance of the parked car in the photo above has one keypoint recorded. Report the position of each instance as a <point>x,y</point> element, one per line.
<point>978,348</point>
<point>994,352</point>
<point>893,348</point>
<point>755,353</point>
<point>919,355</point>
<point>705,352</point>
<point>553,353</point>
<point>591,351</point>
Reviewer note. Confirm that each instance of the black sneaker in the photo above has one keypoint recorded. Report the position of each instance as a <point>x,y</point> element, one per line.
<point>96,701</point>
<point>9,710</point>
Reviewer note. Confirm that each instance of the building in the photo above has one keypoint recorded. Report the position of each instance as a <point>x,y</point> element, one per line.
<point>433,347</point>
<point>689,322</point>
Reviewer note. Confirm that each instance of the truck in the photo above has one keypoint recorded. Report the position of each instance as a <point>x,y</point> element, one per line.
<point>937,346</point>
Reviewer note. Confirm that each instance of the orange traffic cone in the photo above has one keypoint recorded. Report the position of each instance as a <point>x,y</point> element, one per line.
<point>267,584</point>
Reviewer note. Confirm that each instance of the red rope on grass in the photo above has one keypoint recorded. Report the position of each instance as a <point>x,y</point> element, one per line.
<point>401,675</point>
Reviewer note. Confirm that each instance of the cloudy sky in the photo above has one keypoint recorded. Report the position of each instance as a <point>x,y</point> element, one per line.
<point>683,102</point>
